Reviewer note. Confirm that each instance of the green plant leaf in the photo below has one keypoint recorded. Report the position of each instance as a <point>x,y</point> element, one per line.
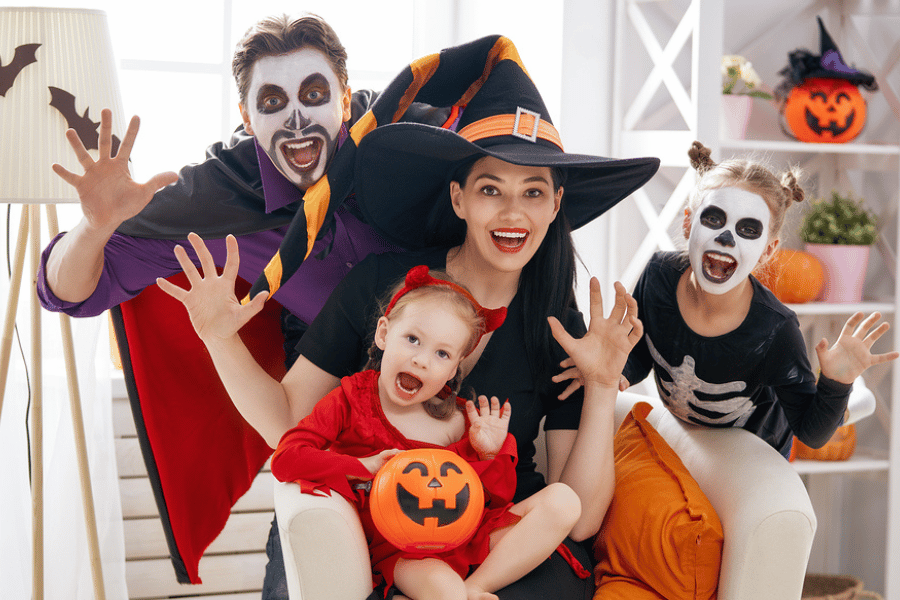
<point>840,220</point>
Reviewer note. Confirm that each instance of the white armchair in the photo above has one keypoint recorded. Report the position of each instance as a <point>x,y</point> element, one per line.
<point>763,506</point>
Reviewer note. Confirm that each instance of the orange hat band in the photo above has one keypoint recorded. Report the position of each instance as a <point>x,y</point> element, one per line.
<point>525,124</point>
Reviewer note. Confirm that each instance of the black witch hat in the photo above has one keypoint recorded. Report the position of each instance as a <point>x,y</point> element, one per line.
<point>403,169</point>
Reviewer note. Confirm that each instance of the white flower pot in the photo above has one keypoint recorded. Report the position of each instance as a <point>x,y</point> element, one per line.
<point>845,270</point>
<point>734,115</point>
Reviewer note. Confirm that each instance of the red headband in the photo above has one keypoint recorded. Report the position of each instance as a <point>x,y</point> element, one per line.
<point>418,277</point>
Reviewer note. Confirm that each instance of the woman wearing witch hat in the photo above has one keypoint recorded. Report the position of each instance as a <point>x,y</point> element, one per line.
<point>492,203</point>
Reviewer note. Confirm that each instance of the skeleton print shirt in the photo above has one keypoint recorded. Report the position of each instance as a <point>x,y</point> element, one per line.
<point>757,377</point>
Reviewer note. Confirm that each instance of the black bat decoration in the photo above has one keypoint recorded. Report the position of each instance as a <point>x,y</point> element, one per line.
<point>25,55</point>
<point>86,129</point>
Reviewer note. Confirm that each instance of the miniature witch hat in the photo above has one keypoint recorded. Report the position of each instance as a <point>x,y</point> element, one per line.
<point>829,64</point>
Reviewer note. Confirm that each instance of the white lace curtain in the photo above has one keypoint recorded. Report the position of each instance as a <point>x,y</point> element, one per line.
<point>67,571</point>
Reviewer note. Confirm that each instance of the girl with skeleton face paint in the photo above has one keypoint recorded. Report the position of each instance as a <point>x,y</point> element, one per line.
<point>728,236</point>
<point>724,351</point>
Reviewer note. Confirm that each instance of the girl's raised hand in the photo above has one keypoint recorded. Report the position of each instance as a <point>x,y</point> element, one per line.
<point>852,352</point>
<point>488,425</point>
<point>600,355</point>
<point>214,309</point>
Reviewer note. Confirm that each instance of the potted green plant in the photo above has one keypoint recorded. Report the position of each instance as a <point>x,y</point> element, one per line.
<point>839,232</point>
<point>740,84</point>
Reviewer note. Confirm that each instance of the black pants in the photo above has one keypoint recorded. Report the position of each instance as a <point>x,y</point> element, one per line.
<point>275,580</point>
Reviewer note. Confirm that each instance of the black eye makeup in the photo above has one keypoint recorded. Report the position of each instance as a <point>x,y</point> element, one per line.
<point>713,217</point>
<point>749,228</point>
<point>314,90</point>
<point>270,99</point>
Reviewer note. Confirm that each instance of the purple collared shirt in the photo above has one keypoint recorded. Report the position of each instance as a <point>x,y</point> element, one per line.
<point>131,264</point>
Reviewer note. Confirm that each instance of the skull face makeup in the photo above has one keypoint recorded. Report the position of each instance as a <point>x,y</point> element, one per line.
<point>295,107</point>
<point>729,231</point>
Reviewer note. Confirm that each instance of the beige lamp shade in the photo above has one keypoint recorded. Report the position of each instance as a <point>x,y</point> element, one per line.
<point>56,71</point>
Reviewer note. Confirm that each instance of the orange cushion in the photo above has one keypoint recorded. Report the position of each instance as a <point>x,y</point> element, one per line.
<point>661,537</point>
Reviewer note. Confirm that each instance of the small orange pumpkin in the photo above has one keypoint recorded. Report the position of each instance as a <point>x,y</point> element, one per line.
<point>839,447</point>
<point>793,276</point>
<point>825,110</point>
<point>427,499</point>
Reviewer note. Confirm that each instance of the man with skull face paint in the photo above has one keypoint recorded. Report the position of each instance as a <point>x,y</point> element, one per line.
<point>724,351</point>
<point>295,109</point>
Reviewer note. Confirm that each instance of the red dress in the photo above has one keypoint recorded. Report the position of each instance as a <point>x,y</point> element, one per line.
<point>347,424</point>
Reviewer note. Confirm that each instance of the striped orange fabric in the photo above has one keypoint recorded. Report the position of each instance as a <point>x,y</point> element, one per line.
<point>422,70</point>
<point>503,49</point>
<point>315,205</point>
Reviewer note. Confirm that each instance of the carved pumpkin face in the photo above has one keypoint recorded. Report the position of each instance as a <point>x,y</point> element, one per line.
<point>825,110</point>
<point>427,499</point>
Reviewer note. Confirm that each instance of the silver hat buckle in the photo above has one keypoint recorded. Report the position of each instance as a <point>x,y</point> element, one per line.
<point>534,130</point>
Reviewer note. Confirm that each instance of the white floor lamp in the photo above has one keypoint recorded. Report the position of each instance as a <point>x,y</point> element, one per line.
<point>56,72</point>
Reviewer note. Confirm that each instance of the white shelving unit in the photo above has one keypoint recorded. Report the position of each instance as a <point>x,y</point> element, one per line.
<point>666,91</point>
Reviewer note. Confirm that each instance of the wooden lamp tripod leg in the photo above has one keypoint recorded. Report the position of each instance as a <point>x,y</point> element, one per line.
<point>37,416</point>
<point>12,303</point>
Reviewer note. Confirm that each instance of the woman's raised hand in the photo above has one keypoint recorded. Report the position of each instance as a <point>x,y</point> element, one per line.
<point>211,303</point>
<point>852,354</point>
<point>600,355</point>
<point>488,425</point>
<point>107,192</point>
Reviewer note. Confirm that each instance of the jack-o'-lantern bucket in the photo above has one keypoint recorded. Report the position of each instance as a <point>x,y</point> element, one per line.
<point>427,499</point>
<point>824,110</point>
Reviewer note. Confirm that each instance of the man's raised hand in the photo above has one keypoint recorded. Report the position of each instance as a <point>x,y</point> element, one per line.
<point>107,192</point>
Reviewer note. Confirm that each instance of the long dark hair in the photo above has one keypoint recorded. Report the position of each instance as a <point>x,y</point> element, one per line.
<point>547,284</point>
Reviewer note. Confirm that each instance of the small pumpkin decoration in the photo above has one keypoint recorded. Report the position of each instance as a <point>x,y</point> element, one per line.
<point>426,499</point>
<point>819,97</point>
<point>839,447</point>
<point>825,110</point>
<point>793,276</point>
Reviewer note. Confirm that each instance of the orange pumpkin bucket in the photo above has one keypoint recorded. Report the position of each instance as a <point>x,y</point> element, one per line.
<point>825,110</point>
<point>428,499</point>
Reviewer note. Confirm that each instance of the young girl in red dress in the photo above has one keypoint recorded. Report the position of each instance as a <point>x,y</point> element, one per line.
<point>407,399</point>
